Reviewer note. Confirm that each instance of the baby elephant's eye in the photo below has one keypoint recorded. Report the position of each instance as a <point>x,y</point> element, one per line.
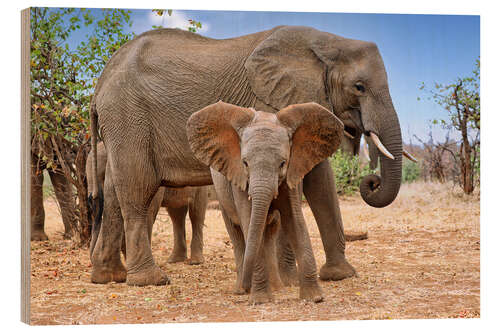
<point>282,164</point>
<point>245,163</point>
<point>359,87</point>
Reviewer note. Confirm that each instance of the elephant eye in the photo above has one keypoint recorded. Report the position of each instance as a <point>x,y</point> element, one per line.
<point>359,87</point>
<point>245,164</point>
<point>282,164</point>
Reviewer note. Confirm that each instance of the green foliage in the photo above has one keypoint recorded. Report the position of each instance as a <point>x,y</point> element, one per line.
<point>411,171</point>
<point>348,172</point>
<point>63,79</point>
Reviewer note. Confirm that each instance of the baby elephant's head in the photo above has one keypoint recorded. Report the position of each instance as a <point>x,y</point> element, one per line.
<point>257,150</point>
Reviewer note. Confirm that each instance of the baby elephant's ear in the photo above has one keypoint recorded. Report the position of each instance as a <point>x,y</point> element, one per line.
<point>316,134</point>
<point>213,136</point>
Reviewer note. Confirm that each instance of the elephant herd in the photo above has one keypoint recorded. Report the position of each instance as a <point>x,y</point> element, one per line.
<point>257,116</point>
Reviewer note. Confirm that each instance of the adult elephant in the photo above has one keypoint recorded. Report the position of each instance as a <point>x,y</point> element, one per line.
<point>154,83</point>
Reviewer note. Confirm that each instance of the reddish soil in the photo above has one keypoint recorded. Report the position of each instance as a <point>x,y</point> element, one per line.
<point>421,260</point>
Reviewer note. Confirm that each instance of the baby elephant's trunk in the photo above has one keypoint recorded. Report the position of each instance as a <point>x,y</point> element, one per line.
<point>261,194</point>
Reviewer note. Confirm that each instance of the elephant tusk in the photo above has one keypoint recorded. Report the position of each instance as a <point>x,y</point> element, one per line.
<point>249,198</point>
<point>348,135</point>
<point>365,150</point>
<point>409,156</point>
<point>380,146</point>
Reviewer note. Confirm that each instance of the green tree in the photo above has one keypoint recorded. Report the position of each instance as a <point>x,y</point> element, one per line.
<point>62,83</point>
<point>461,99</point>
<point>348,172</point>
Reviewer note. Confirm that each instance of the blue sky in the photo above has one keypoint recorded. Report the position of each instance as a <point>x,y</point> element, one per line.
<point>415,48</point>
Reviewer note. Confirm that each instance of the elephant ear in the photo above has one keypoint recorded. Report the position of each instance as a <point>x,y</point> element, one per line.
<point>316,134</point>
<point>213,136</point>
<point>289,66</point>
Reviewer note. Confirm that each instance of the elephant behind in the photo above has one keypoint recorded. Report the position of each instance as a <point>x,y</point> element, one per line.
<point>152,85</point>
<point>178,202</point>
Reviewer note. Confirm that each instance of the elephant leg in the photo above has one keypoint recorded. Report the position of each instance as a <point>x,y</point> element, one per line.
<point>294,227</point>
<point>64,195</point>
<point>286,259</point>
<point>141,267</point>
<point>37,210</point>
<point>105,256</point>
<point>197,211</point>
<point>238,241</point>
<point>153,210</point>
<point>136,182</point>
<point>261,287</point>
<point>321,194</point>
<point>178,217</point>
<point>270,239</point>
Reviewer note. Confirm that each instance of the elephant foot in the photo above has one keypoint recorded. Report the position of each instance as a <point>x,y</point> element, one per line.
<point>238,288</point>
<point>176,257</point>
<point>196,260</point>
<point>39,235</point>
<point>275,281</point>
<point>311,293</point>
<point>153,276</point>
<point>288,275</point>
<point>260,297</point>
<point>105,274</point>
<point>340,271</point>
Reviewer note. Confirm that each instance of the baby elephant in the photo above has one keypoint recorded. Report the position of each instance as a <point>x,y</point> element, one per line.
<point>177,201</point>
<point>258,161</point>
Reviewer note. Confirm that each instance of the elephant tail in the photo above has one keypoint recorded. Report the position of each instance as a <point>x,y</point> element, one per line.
<point>94,125</point>
<point>96,199</point>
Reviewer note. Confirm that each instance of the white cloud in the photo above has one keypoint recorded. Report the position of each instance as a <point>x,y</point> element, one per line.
<point>177,20</point>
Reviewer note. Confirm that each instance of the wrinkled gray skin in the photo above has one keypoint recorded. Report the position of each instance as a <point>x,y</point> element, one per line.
<point>178,203</point>
<point>152,84</point>
<point>258,160</point>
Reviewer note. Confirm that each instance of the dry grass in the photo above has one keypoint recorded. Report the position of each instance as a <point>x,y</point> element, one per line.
<point>421,260</point>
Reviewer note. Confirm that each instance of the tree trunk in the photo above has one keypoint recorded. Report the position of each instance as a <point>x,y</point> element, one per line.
<point>37,211</point>
<point>64,195</point>
<point>466,168</point>
<point>466,159</point>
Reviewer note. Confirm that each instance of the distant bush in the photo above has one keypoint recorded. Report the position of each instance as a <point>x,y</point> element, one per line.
<point>411,171</point>
<point>348,172</point>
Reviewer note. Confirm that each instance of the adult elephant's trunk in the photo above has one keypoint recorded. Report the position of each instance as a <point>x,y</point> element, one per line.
<point>261,193</point>
<point>381,191</point>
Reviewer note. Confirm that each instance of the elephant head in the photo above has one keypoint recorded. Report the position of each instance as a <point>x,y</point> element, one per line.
<point>257,151</point>
<point>301,64</point>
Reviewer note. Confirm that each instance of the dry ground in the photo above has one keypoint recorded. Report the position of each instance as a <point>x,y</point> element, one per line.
<point>421,260</point>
